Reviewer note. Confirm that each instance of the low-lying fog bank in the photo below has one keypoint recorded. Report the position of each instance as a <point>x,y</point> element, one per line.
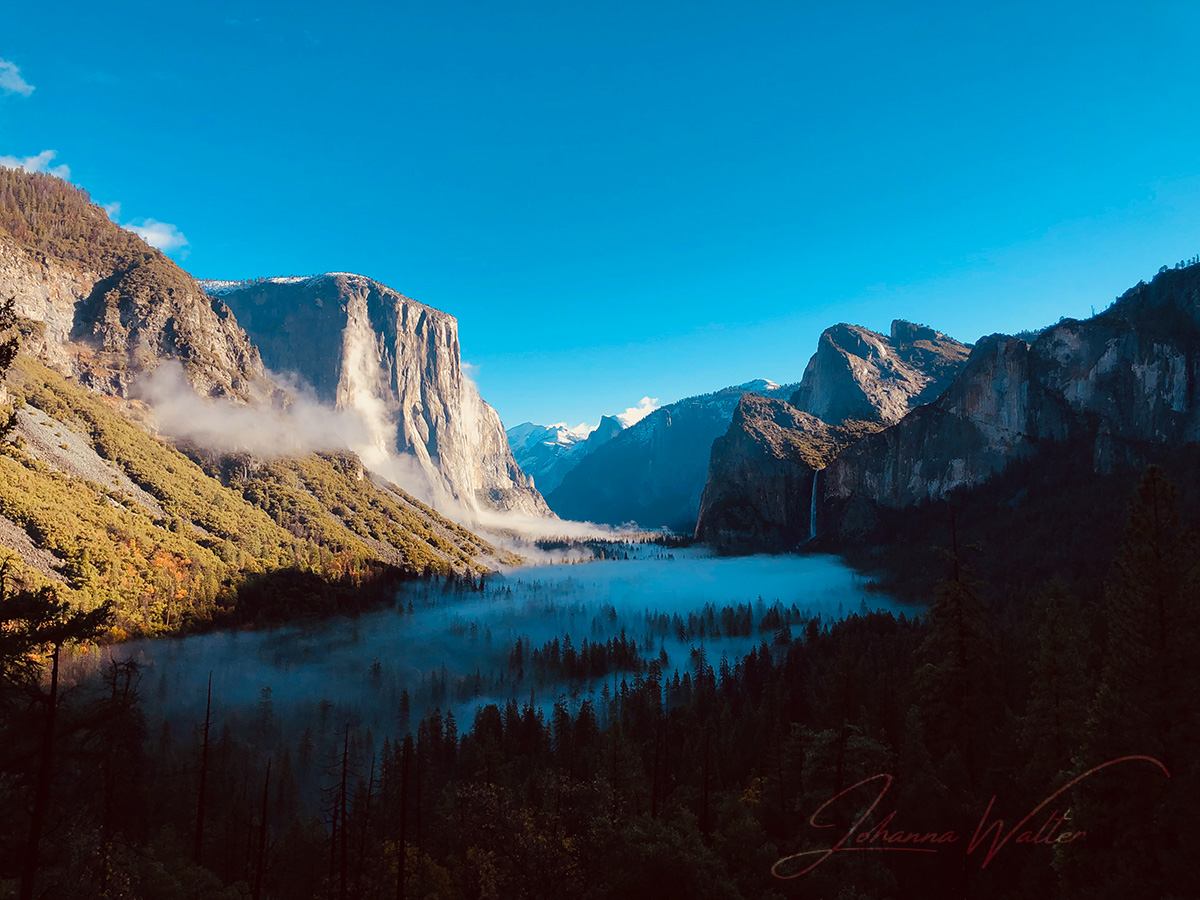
<point>452,643</point>
<point>537,635</point>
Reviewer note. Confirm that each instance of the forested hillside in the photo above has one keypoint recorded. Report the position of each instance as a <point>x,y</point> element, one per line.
<point>112,305</point>
<point>94,503</point>
<point>702,784</point>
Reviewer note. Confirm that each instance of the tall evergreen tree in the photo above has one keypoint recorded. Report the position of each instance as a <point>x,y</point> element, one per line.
<point>35,625</point>
<point>1052,730</point>
<point>1142,824</point>
<point>957,685</point>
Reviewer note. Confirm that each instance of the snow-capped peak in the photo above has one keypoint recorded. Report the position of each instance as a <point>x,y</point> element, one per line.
<point>758,386</point>
<point>216,286</point>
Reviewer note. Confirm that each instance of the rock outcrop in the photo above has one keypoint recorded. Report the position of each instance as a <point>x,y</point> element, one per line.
<point>860,375</point>
<point>761,491</point>
<point>763,475</point>
<point>113,307</point>
<point>363,346</point>
<point>1121,383</point>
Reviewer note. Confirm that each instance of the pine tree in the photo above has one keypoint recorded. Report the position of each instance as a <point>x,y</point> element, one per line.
<point>1142,823</point>
<point>957,685</point>
<point>1052,730</point>
<point>34,623</point>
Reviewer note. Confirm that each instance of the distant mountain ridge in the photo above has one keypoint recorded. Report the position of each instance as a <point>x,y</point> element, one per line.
<point>546,453</point>
<point>653,472</point>
<point>1115,392</point>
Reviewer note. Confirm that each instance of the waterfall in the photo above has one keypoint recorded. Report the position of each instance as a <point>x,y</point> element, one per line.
<point>812,514</point>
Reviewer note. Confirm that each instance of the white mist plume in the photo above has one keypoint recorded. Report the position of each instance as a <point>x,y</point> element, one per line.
<point>304,425</point>
<point>268,430</point>
<point>540,527</point>
<point>361,424</point>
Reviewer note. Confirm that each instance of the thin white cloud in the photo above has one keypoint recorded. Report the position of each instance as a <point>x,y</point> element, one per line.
<point>163,235</point>
<point>635,414</point>
<point>39,163</point>
<point>11,81</point>
<point>631,416</point>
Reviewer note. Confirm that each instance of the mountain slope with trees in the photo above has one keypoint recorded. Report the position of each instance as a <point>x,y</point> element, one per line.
<point>702,783</point>
<point>177,541</point>
<point>113,305</point>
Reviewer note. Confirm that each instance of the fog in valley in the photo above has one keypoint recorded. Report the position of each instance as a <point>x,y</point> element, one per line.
<point>537,635</point>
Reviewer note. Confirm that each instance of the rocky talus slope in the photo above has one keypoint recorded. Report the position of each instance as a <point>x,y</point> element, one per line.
<point>178,536</point>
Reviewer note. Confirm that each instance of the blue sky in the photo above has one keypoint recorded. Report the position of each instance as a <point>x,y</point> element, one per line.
<point>620,201</point>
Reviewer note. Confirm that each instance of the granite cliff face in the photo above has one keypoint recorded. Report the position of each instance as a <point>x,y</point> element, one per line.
<point>366,347</point>
<point>1119,383</point>
<point>112,306</point>
<point>106,308</point>
<point>763,476</point>
<point>858,374</point>
<point>760,492</point>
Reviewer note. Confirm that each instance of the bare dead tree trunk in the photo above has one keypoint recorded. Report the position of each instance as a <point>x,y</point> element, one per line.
<point>705,827</point>
<point>262,836</point>
<point>417,751</point>
<point>107,814</point>
<point>403,848</point>
<point>654,795</point>
<point>333,842</point>
<point>41,796</point>
<point>362,848</point>
<point>198,847</point>
<point>345,822</point>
